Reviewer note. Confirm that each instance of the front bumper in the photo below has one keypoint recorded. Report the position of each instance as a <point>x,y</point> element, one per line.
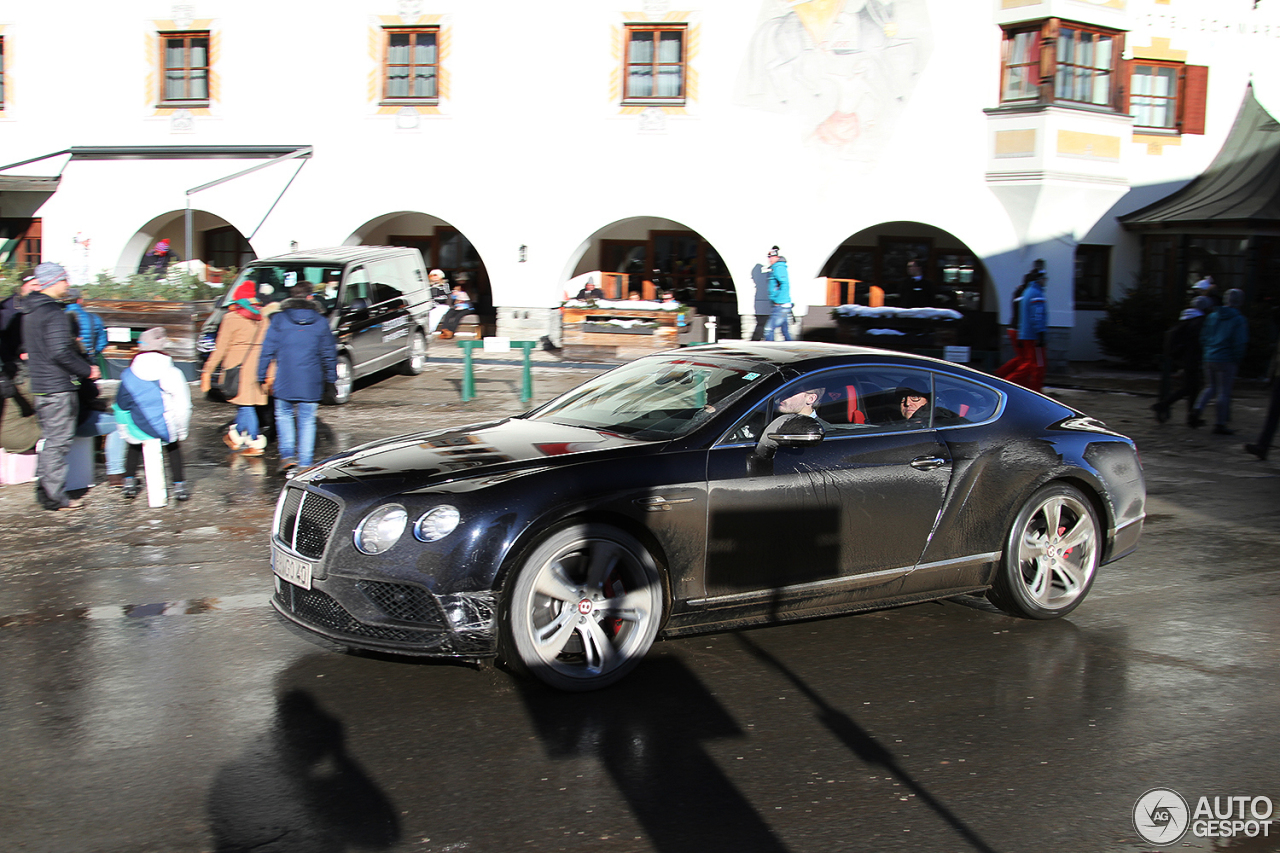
<point>392,617</point>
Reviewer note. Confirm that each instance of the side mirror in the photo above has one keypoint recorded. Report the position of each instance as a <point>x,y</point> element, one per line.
<point>788,431</point>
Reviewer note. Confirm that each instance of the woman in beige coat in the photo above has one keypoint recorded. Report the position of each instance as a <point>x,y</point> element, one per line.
<point>239,343</point>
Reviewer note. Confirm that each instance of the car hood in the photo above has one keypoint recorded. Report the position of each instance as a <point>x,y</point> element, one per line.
<point>513,446</point>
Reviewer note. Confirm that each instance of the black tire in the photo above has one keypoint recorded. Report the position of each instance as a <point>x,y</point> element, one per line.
<point>417,360</point>
<point>583,608</point>
<point>1051,555</point>
<point>340,392</point>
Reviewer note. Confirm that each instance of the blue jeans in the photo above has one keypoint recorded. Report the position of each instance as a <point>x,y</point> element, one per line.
<point>779,318</point>
<point>104,423</point>
<point>247,421</point>
<point>1219,379</point>
<point>296,441</point>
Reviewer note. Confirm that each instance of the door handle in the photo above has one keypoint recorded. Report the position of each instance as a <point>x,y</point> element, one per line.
<point>927,463</point>
<point>661,504</point>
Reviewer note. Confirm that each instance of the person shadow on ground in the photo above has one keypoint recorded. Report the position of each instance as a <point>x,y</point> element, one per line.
<point>295,790</point>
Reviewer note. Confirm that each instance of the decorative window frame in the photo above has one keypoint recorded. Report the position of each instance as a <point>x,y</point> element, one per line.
<point>378,41</point>
<point>656,109</point>
<point>154,45</point>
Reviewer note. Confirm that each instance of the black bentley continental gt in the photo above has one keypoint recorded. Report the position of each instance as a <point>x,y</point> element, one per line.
<point>705,489</point>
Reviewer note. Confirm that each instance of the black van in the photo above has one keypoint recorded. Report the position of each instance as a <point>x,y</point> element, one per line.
<point>377,300</point>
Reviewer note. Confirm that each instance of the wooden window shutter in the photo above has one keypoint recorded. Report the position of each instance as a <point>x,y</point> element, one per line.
<point>1048,59</point>
<point>1124,75</point>
<point>1195,91</point>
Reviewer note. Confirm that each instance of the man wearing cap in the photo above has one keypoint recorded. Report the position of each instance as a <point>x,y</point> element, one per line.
<point>779,297</point>
<point>56,366</point>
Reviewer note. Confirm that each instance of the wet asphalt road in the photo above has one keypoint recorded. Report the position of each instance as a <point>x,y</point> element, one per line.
<point>150,701</point>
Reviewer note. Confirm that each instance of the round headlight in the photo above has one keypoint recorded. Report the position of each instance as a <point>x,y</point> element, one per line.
<point>380,529</point>
<point>436,523</point>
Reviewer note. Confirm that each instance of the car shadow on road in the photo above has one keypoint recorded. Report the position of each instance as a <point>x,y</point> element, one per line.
<point>648,732</point>
<point>866,748</point>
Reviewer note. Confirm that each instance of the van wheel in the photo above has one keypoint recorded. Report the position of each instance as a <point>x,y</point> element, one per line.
<point>417,360</point>
<point>340,393</point>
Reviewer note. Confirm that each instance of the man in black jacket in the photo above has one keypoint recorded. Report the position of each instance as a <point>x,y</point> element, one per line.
<point>56,367</point>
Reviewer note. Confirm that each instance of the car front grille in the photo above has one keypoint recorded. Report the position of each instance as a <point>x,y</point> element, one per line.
<point>306,520</point>
<point>311,606</point>
<point>405,602</point>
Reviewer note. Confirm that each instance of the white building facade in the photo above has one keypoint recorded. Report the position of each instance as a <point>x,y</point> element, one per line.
<point>530,144</point>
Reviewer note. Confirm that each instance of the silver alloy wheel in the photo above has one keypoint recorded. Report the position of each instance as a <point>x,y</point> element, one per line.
<point>342,387</point>
<point>585,607</point>
<point>417,360</point>
<point>1052,555</point>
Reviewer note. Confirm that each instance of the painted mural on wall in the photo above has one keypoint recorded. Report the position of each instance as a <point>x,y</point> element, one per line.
<point>843,69</point>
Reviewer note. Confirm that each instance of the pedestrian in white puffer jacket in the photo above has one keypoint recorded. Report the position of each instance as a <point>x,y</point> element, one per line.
<point>153,401</point>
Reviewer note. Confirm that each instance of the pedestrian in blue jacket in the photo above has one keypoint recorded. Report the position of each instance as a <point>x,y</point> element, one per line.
<point>1225,335</point>
<point>93,332</point>
<point>306,356</point>
<point>779,297</point>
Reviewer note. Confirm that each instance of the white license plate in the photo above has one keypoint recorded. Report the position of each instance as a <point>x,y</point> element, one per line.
<point>292,569</point>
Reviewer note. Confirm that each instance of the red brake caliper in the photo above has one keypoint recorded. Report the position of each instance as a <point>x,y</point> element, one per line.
<point>1062,530</point>
<point>613,589</point>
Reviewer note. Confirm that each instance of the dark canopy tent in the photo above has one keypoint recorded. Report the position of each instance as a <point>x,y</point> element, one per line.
<point>1224,223</point>
<point>1239,190</point>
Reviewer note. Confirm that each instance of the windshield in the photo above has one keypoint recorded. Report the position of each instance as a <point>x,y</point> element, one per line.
<point>274,280</point>
<point>652,400</point>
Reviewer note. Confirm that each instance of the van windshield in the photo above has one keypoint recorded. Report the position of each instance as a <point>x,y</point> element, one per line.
<point>274,280</point>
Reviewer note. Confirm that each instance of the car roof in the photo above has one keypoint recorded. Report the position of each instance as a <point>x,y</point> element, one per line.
<point>335,255</point>
<point>793,357</point>
<point>789,353</point>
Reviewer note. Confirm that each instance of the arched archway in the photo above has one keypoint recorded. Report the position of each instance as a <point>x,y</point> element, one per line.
<point>646,255</point>
<point>215,243</point>
<point>443,247</point>
<point>873,268</point>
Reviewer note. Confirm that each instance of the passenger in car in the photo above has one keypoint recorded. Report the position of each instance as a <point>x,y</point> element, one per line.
<point>913,406</point>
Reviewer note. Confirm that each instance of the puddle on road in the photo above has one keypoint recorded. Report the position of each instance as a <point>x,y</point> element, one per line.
<point>186,607</point>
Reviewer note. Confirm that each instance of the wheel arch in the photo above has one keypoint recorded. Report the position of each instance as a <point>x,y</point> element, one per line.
<point>535,534</point>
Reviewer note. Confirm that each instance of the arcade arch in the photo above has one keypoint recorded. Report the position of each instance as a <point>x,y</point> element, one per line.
<point>443,247</point>
<point>648,254</point>
<point>215,243</point>
<point>870,268</point>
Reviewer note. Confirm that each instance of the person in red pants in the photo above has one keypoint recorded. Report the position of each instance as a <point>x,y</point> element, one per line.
<point>1030,322</point>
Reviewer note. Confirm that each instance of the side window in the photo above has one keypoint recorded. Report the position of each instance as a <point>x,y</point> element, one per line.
<point>961,402</point>
<point>384,276</point>
<point>855,401</point>
<point>355,296</point>
<point>383,293</point>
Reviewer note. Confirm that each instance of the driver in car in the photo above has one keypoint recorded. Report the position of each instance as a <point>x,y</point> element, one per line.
<point>801,403</point>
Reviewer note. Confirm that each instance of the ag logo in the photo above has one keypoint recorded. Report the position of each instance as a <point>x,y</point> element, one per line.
<point>1161,816</point>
